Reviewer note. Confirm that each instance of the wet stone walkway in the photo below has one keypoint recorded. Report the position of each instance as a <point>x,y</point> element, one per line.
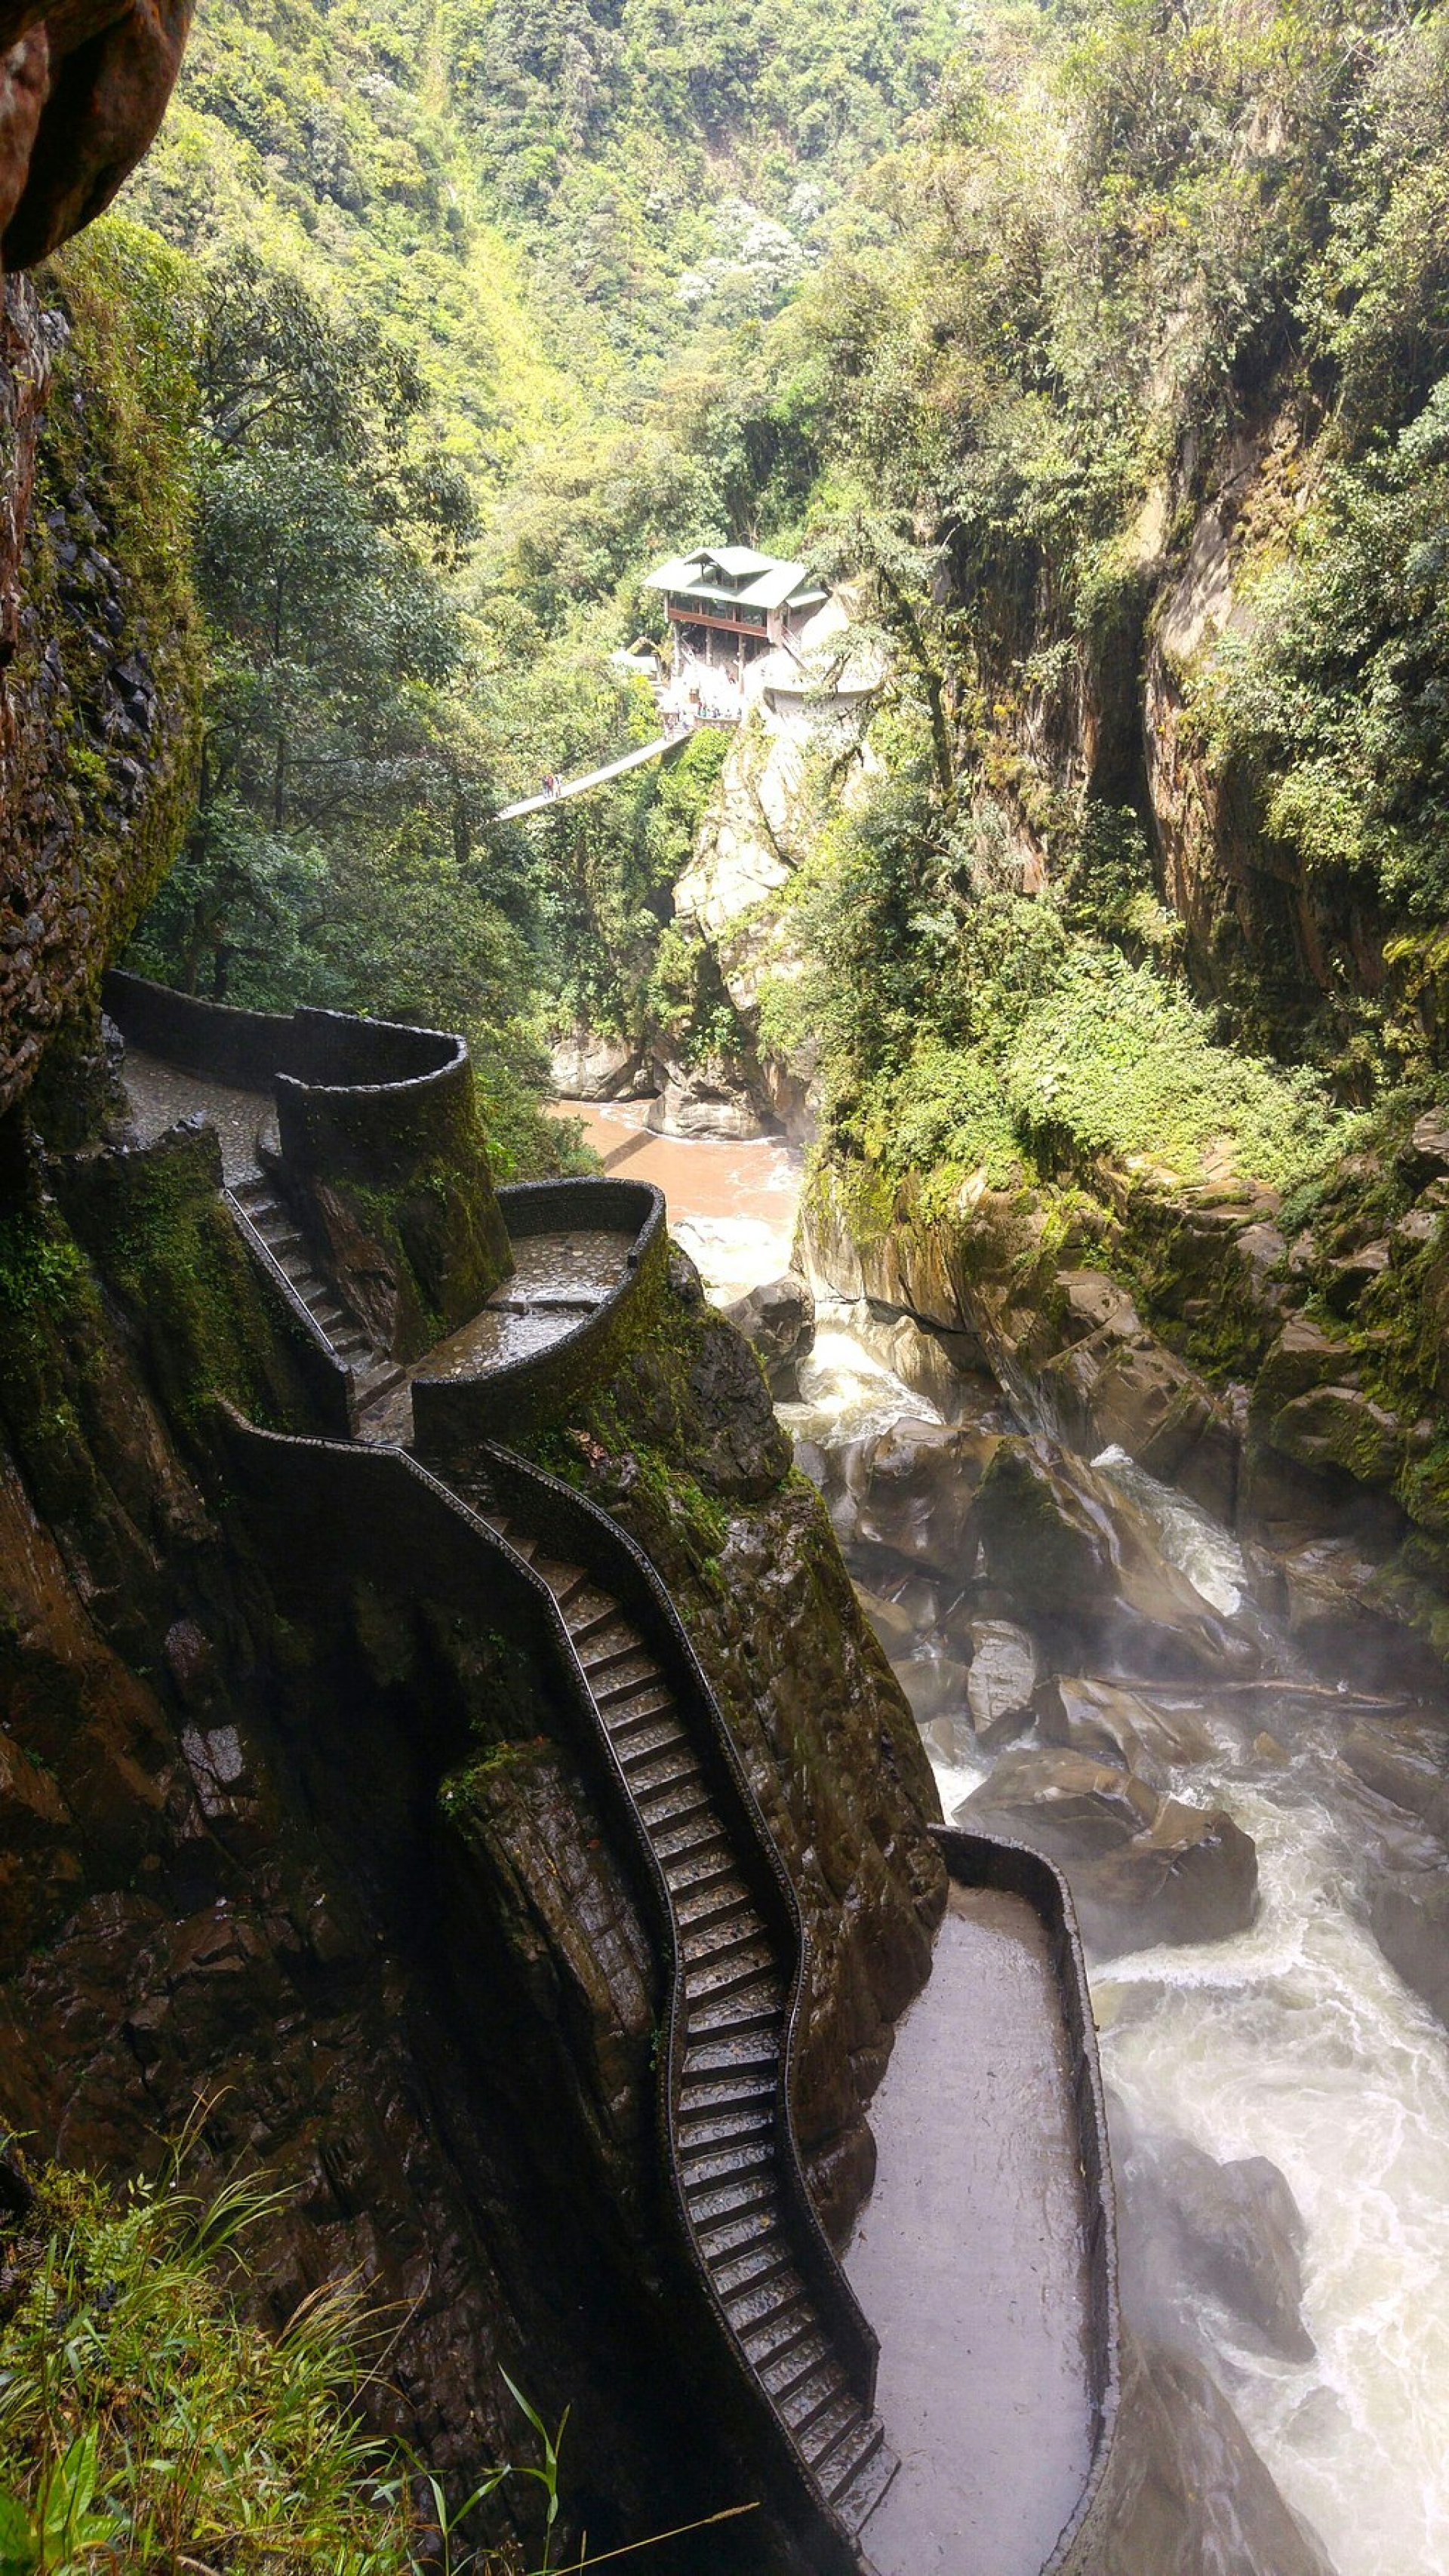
<point>159,1094</point>
<point>556,1282</point>
<point>970,2259</point>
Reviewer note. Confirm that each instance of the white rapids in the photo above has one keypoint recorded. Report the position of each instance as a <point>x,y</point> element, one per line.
<point>1296,2041</point>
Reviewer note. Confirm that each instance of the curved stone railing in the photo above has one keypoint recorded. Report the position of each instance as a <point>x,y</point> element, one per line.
<point>350,1091</point>
<point>452,1417</point>
<point>378,1513</point>
<point>978,1860</point>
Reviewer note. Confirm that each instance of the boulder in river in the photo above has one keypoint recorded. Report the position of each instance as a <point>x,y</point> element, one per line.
<point>1193,2227</point>
<point>1115,1725</point>
<point>1409,1912</point>
<point>1187,2494</point>
<point>909,1492</point>
<point>1143,1869</point>
<point>1067,1546</point>
<point>1002,1680</point>
<point>778,1322</point>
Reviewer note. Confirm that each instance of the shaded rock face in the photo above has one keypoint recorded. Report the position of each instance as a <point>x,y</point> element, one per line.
<point>83,88</point>
<point>720,1099</point>
<point>1293,1390</point>
<point>301,1847</point>
<point>586,1067</point>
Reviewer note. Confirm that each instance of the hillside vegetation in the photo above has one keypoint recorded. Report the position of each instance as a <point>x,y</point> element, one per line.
<point>1102,344</point>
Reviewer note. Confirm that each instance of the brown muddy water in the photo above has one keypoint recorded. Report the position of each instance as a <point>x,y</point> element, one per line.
<point>731,1206</point>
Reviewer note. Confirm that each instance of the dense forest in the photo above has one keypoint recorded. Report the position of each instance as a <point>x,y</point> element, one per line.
<point>479,313</point>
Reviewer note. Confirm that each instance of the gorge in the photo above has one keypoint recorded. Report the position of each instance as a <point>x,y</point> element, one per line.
<point>724,1810</point>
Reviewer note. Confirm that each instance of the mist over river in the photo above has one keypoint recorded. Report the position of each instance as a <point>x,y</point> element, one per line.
<point>1293,2040</point>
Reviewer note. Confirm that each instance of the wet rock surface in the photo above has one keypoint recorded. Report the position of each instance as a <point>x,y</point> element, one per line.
<point>1193,2228</point>
<point>778,1322</point>
<point>1189,2495</point>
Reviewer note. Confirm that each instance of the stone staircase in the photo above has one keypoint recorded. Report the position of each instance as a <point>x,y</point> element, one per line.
<point>372,1372</point>
<point>726,2096</point>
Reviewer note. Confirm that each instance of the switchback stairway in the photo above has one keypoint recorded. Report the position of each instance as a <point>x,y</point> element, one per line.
<point>258,1203</point>
<point>727,2111</point>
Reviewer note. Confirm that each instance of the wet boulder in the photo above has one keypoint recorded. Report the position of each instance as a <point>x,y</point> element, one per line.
<point>1001,1681</point>
<point>1404,1767</point>
<point>1187,2494</point>
<point>1192,1876</point>
<point>1066,1546</point>
<point>1409,1913</point>
<point>1046,1543</point>
<point>1143,1869</point>
<point>1062,1803</point>
<point>1114,1725</point>
<point>1194,2228</point>
<point>934,1685</point>
<point>1339,1426</point>
<point>910,1492</point>
<point>778,1322</point>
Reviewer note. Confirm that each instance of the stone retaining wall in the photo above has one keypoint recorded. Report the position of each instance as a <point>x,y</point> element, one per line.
<point>453,1416</point>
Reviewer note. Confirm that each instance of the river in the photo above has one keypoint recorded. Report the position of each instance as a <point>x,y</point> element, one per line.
<point>1294,2041</point>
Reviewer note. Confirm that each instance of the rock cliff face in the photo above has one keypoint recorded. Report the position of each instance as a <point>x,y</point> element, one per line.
<point>322,1857</point>
<point>1287,1376</point>
<point>100,647</point>
<point>83,88</point>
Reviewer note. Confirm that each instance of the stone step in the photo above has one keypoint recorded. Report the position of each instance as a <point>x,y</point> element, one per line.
<point>726,1936</point>
<point>727,1971</point>
<point>647,1772</point>
<point>675,1803</point>
<point>620,1677</point>
<point>809,2394</point>
<point>824,2423</point>
<point>746,2280</point>
<point>698,1907</point>
<point>652,1701</point>
<point>823,2436</point>
<point>588,1606</point>
<point>700,1865</point>
<point>753,2052</point>
<point>564,1581</point>
<point>785,2330</point>
<point>755,2006</point>
<point>767,2294</point>
<point>660,1732</point>
<point>611,1642</point>
<point>859,2473</point>
<point>702,2133</point>
<point>586,1626</point>
<point>707,2097</point>
<point>713,2206</point>
<point>789,2376</point>
<point>721,2159</point>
